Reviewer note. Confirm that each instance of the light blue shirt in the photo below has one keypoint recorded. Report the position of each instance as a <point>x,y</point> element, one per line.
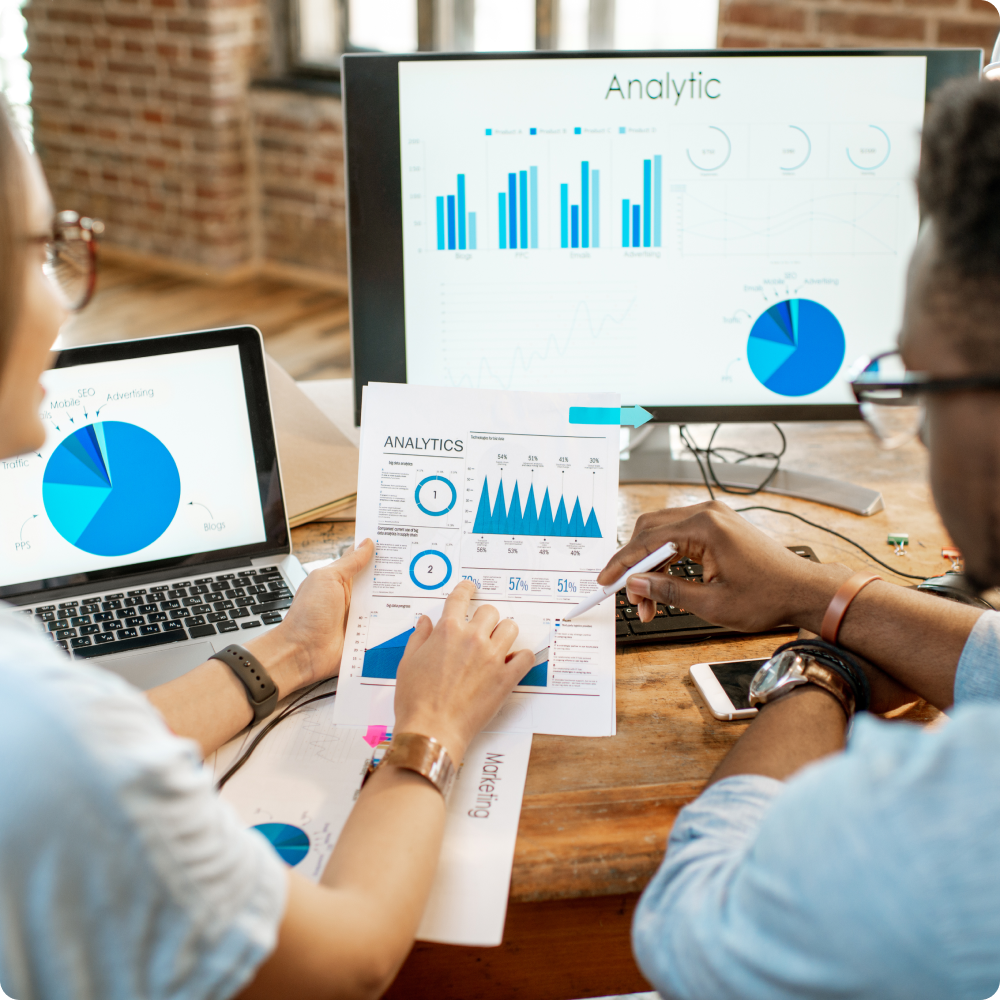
<point>123,876</point>
<point>873,874</point>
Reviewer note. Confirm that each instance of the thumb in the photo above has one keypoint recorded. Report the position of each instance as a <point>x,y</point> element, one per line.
<point>352,562</point>
<point>666,589</point>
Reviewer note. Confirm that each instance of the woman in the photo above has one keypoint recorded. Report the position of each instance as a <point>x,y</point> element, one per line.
<point>122,875</point>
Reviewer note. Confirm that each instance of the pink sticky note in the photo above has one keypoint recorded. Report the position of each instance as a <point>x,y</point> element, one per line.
<point>375,735</point>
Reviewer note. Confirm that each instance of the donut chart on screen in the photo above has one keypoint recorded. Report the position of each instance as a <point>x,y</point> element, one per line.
<point>111,488</point>
<point>796,347</point>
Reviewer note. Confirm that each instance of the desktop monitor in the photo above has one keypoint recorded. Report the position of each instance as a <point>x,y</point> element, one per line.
<point>716,235</point>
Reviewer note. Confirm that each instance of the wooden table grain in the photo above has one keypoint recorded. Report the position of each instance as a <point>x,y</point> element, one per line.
<point>597,812</point>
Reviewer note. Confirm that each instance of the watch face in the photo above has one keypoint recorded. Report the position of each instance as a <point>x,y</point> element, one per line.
<point>780,671</point>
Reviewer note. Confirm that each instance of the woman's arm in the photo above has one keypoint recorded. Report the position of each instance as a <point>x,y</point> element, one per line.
<point>753,583</point>
<point>210,705</point>
<point>348,936</point>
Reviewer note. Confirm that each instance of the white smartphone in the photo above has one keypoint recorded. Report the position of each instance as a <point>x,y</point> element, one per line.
<point>726,687</point>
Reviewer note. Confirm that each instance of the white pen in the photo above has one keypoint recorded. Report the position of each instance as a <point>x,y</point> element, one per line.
<point>651,562</point>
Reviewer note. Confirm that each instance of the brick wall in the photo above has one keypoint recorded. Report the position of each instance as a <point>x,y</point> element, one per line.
<point>300,174</point>
<point>855,23</point>
<point>141,117</point>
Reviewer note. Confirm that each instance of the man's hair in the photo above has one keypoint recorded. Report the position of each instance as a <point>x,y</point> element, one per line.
<point>959,188</point>
<point>13,227</point>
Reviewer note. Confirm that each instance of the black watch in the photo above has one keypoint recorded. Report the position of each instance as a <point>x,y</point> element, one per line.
<point>262,692</point>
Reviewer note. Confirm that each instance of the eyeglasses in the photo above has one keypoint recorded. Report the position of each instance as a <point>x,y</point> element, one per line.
<point>892,399</point>
<point>71,258</point>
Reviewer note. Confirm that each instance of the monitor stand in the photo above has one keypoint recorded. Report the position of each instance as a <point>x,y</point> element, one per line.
<point>653,460</point>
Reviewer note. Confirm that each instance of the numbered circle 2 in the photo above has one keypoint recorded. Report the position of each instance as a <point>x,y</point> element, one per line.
<point>430,569</point>
<point>435,495</point>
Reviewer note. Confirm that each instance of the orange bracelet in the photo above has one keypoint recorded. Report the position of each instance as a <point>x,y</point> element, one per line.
<point>841,601</point>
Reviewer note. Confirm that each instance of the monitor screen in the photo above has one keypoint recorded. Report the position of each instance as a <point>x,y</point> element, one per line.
<point>148,460</point>
<point>707,234</point>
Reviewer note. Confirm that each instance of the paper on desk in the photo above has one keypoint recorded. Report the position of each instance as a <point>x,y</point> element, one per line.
<point>307,772</point>
<point>319,466</point>
<point>501,489</point>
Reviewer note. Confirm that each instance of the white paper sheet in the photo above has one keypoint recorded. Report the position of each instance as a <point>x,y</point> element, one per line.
<point>306,774</point>
<point>499,488</point>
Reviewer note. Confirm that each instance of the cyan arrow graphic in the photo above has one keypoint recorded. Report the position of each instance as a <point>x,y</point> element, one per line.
<point>626,416</point>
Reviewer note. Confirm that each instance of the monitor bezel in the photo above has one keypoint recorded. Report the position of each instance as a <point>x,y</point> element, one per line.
<point>374,208</point>
<point>251,347</point>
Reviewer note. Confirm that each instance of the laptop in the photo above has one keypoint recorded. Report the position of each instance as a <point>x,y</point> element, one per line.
<point>150,530</point>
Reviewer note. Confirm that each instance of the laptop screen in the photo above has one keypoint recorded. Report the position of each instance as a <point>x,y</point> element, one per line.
<point>148,461</point>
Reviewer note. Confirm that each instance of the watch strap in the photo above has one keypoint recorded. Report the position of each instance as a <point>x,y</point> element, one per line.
<point>833,683</point>
<point>262,692</point>
<point>841,601</point>
<point>425,756</point>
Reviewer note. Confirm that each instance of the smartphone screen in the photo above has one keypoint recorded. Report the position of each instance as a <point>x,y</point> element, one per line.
<point>735,679</point>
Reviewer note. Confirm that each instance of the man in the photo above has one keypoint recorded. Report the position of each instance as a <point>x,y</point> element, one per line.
<point>875,872</point>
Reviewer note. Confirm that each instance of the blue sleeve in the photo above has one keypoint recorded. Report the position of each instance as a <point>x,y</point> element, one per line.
<point>873,873</point>
<point>978,674</point>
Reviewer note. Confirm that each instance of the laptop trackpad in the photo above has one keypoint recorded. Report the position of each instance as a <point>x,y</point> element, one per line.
<point>157,666</point>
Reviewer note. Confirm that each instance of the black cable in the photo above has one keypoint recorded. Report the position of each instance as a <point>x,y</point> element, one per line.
<point>294,707</point>
<point>850,541</point>
<point>743,456</point>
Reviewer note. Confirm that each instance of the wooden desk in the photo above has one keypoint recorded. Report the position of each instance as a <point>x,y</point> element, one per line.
<point>597,812</point>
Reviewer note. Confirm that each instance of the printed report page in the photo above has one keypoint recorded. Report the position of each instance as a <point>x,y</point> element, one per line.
<point>505,490</point>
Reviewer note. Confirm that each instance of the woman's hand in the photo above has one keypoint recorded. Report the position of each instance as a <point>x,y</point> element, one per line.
<point>455,676</point>
<point>307,646</point>
<point>752,582</point>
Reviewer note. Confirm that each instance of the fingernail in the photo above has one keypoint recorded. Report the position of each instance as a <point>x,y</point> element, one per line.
<point>638,585</point>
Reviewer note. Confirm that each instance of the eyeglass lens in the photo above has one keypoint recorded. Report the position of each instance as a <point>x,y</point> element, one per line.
<point>893,417</point>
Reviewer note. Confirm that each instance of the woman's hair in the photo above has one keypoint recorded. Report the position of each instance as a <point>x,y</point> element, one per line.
<point>13,226</point>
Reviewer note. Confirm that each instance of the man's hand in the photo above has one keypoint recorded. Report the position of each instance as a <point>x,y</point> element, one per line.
<point>455,676</point>
<point>307,646</point>
<point>752,582</point>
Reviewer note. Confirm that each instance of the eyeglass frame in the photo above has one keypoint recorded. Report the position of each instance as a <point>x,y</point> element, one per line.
<point>88,230</point>
<point>915,383</point>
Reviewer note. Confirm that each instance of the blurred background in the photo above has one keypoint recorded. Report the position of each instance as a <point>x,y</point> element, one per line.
<point>208,134</point>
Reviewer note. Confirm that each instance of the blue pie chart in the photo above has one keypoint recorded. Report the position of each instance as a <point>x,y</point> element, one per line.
<point>111,488</point>
<point>291,843</point>
<point>796,347</point>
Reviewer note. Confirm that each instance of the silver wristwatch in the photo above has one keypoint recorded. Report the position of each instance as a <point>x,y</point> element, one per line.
<point>792,668</point>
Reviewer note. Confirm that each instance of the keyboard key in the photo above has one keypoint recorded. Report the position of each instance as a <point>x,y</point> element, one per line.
<point>274,606</point>
<point>239,613</point>
<point>126,633</point>
<point>196,620</point>
<point>621,628</point>
<point>134,602</point>
<point>180,613</point>
<point>136,593</point>
<point>149,629</point>
<point>201,630</point>
<point>245,602</point>
<point>159,590</point>
<point>256,589</point>
<point>222,605</point>
<point>110,626</point>
<point>113,597</point>
<point>135,620</point>
<point>619,616</point>
<point>65,633</point>
<point>80,620</point>
<point>220,588</point>
<point>110,605</point>
<point>145,609</point>
<point>46,616</point>
<point>189,601</point>
<point>250,624</point>
<point>59,623</point>
<point>69,604</point>
<point>177,592</point>
<point>182,583</point>
<point>269,574</point>
<point>90,630</point>
<point>228,627</point>
<point>168,605</point>
<point>226,576</point>
<point>630,613</point>
<point>156,616</point>
<point>104,616</point>
<point>124,613</point>
<point>104,638</point>
<point>277,585</point>
<point>89,609</point>
<point>236,592</point>
<point>270,618</point>
<point>173,626</point>
<point>82,640</point>
<point>218,616</point>
<point>45,607</point>
<point>203,580</point>
<point>105,647</point>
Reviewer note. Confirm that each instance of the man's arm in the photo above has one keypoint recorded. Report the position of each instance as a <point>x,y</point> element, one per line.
<point>753,583</point>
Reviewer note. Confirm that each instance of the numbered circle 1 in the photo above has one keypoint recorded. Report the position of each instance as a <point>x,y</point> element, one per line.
<point>435,495</point>
<point>430,569</point>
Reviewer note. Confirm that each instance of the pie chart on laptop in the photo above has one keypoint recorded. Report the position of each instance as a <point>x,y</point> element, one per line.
<point>796,347</point>
<point>111,488</point>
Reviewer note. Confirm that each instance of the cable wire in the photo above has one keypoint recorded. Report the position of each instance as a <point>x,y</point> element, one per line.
<point>294,707</point>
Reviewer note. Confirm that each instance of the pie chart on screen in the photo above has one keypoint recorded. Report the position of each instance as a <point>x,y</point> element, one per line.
<point>111,488</point>
<point>796,347</point>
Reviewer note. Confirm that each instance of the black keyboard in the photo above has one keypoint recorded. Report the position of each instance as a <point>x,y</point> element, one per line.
<point>104,623</point>
<point>676,624</point>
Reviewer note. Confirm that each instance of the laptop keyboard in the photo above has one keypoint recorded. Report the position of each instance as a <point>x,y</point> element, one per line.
<point>105,623</point>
